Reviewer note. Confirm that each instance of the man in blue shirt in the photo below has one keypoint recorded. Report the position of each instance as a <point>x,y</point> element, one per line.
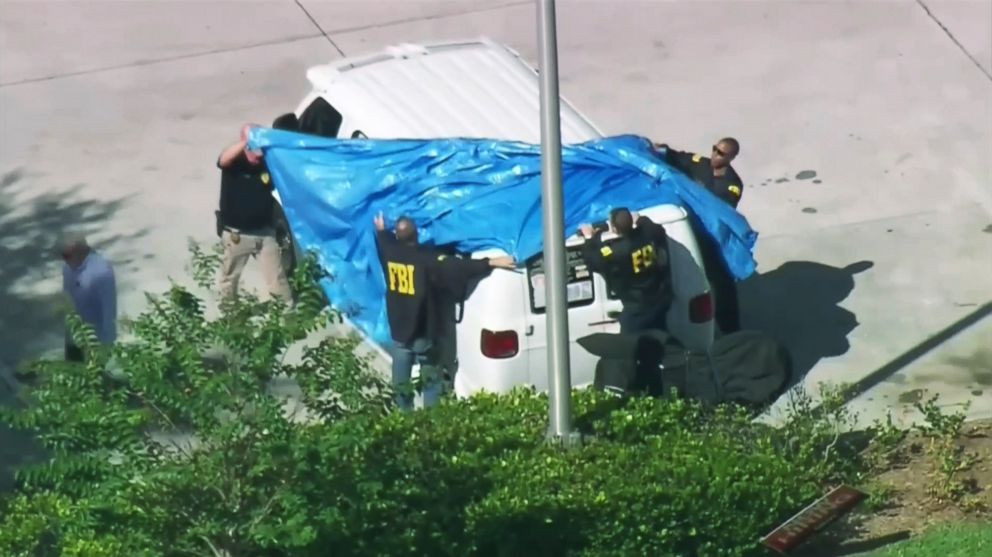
<point>88,280</point>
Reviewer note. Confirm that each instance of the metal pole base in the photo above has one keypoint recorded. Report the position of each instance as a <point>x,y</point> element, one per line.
<point>571,440</point>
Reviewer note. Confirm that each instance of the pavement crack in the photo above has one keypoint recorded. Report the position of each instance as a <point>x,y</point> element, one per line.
<point>319,28</point>
<point>955,40</point>
<point>153,61</point>
<point>432,16</point>
<point>322,33</point>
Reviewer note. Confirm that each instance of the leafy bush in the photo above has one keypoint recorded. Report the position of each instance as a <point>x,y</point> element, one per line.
<point>469,477</point>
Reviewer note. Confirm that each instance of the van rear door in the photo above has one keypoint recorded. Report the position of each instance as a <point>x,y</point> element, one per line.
<point>586,315</point>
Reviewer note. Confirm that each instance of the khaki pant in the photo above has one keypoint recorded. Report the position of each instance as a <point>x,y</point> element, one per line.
<point>262,244</point>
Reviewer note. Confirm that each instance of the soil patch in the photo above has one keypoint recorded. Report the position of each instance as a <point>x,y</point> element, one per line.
<point>909,496</point>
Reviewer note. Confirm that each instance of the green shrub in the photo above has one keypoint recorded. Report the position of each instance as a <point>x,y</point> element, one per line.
<point>470,477</point>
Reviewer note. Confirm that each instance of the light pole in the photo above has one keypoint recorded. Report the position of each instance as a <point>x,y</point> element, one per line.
<point>556,294</point>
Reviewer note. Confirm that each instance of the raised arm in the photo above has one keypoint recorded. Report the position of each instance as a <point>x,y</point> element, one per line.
<point>229,155</point>
<point>594,252</point>
<point>382,236</point>
<point>452,274</point>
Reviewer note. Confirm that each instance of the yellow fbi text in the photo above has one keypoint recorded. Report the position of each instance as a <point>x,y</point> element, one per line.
<point>400,278</point>
<point>643,258</point>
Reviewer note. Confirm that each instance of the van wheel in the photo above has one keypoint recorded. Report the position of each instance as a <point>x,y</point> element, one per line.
<point>284,235</point>
<point>290,248</point>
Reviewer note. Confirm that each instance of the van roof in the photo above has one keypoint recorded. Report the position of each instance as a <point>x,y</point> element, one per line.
<point>475,88</point>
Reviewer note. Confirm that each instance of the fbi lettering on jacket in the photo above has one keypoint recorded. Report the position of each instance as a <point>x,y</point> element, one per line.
<point>401,278</point>
<point>642,258</point>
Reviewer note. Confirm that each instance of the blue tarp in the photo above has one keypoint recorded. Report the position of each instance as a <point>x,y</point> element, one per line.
<point>475,194</point>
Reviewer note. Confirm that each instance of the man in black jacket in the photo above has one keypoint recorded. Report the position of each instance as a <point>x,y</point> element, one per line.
<point>714,173</point>
<point>636,266</point>
<point>417,282</point>
<point>245,220</point>
<point>718,176</point>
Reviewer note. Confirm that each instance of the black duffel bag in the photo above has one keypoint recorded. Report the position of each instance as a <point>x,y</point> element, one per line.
<point>747,367</point>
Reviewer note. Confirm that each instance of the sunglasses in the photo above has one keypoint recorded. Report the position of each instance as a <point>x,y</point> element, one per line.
<point>717,150</point>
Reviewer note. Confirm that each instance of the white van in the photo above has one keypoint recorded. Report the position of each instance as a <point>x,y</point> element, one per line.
<point>482,89</point>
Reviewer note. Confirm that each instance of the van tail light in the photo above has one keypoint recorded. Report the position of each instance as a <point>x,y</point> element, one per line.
<point>499,344</point>
<point>701,308</point>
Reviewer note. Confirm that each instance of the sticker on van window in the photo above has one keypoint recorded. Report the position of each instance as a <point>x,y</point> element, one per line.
<point>579,289</point>
<point>537,284</point>
<point>575,292</point>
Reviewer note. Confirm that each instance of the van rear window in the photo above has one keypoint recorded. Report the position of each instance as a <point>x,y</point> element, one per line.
<point>580,284</point>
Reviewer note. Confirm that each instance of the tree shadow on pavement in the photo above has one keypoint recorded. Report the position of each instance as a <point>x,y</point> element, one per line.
<point>798,304</point>
<point>31,225</point>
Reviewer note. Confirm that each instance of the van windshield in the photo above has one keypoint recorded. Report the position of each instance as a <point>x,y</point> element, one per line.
<point>580,284</point>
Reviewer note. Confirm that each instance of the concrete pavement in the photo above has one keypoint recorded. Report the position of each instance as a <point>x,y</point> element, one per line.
<point>866,131</point>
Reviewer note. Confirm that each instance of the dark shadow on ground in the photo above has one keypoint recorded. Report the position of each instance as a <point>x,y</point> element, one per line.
<point>833,544</point>
<point>31,224</point>
<point>798,304</point>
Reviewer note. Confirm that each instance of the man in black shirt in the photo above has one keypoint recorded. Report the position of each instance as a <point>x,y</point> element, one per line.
<point>714,173</point>
<point>719,177</point>
<point>245,219</point>
<point>418,283</point>
<point>636,266</point>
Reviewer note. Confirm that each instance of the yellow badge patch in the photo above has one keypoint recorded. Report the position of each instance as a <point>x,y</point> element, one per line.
<point>697,158</point>
<point>441,257</point>
<point>736,190</point>
<point>265,177</point>
<point>606,251</point>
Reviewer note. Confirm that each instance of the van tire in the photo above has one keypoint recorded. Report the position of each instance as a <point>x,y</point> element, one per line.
<point>284,235</point>
<point>291,249</point>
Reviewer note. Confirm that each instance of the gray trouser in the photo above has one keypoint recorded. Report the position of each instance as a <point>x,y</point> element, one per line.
<point>262,244</point>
